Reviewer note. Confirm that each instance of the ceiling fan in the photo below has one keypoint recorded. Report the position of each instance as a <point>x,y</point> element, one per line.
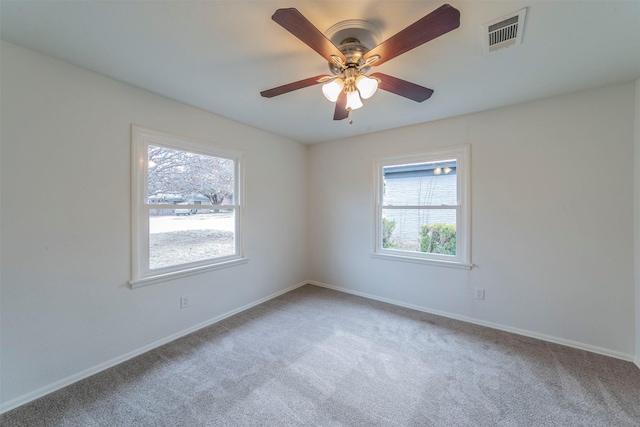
<point>351,60</point>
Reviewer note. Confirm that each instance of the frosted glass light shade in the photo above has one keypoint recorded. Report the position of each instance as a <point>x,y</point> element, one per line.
<point>332,89</point>
<point>353,100</point>
<point>367,86</point>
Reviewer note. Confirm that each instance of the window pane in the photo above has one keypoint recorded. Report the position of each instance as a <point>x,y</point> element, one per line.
<point>181,177</point>
<point>420,230</point>
<point>179,238</point>
<point>420,184</point>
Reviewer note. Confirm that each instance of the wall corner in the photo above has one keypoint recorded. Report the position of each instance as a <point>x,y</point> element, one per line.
<point>636,217</point>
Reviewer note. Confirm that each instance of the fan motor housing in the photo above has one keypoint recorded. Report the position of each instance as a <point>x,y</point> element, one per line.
<point>354,38</point>
<point>353,50</point>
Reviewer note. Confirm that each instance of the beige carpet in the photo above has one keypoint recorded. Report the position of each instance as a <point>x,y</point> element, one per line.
<point>320,357</point>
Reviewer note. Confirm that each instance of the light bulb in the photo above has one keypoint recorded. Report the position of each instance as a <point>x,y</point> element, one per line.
<point>447,170</point>
<point>332,89</point>
<point>353,100</point>
<point>437,171</point>
<point>367,86</point>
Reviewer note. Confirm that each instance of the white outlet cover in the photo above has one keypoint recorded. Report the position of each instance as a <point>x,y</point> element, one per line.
<point>184,301</point>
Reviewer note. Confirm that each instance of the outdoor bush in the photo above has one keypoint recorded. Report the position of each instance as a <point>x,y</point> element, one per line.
<point>438,239</point>
<point>387,230</point>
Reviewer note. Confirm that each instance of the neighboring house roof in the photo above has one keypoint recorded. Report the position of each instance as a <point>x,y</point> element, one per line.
<point>423,169</point>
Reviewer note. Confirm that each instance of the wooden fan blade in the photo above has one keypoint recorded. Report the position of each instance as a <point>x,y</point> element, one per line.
<point>341,111</point>
<point>300,84</point>
<point>403,88</point>
<point>294,22</point>
<point>440,21</point>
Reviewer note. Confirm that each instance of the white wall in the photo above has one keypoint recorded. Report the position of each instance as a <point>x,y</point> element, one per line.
<point>552,214</point>
<point>66,306</point>
<point>552,209</point>
<point>636,217</point>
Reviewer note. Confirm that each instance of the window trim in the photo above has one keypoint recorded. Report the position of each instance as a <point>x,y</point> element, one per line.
<point>141,138</point>
<point>462,260</point>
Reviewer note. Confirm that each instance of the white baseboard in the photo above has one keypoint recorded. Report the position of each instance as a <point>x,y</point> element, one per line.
<point>50,388</point>
<point>524,332</point>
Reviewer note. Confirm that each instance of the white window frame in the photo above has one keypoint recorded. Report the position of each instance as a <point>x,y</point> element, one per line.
<point>141,138</point>
<point>462,259</point>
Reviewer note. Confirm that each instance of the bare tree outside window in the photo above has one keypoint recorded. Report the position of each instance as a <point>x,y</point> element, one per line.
<point>186,206</point>
<point>189,178</point>
<point>186,174</point>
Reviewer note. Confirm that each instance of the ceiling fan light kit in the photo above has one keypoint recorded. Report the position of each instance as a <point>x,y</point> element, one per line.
<point>353,101</point>
<point>367,86</point>
<point>359,50</point>
<point>332,89</point>
<point>354,83</point>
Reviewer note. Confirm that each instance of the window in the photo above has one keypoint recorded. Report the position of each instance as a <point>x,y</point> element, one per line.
<point>422,208</point>
<point>186,206</point>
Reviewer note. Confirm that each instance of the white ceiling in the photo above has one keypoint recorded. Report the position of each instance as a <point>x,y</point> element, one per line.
<point>219,55</point>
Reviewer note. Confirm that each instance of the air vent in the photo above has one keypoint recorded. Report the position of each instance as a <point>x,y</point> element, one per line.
<point>504,32</point>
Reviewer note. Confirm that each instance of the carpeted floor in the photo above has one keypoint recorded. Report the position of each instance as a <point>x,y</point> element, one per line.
<point>320,357</point>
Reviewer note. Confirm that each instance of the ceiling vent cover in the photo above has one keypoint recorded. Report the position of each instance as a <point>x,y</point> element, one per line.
<point>504,32</point>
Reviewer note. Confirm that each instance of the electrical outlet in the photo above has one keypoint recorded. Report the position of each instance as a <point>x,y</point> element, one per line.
<point>184,301</point>
<point>479,293</point>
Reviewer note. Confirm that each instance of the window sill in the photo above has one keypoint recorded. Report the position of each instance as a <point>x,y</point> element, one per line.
<point>418,260</point>
<point>150,280</point>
